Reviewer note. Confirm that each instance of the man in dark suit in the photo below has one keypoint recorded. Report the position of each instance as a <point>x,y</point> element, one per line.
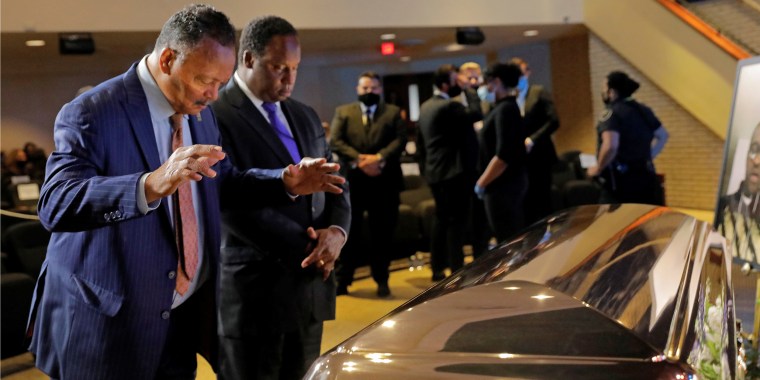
<point>368,136</point>
<point>470,78</point>
<point>277,260</point>
<point>447,149</point>
<point>540,121</point>
<point>128,287</point>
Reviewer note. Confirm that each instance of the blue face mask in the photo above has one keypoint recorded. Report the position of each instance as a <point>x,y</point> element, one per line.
<point>486,95</point>
<point>522,84</point>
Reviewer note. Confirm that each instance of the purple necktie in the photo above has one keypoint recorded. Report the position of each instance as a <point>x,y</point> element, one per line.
<point>282,131</point>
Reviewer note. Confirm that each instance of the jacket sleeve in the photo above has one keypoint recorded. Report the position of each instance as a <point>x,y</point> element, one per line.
<point>551,123</point>
<point>339,204</point>
<point>339,138</point>
<point>397,145</point>
<point>79,193</point>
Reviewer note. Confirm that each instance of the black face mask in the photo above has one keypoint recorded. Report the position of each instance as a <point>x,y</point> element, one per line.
<point>454,91</point>
<point>369,99</point>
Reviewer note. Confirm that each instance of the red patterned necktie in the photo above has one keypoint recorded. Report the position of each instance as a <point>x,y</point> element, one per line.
<point>185,225</point>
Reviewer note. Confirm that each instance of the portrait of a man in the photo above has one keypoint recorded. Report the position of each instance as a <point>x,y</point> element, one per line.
<point>737,210</point>
<point>738,214</point>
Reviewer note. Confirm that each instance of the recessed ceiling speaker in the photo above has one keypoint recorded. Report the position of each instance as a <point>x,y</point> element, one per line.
<point>470,36</point>
<point>76,43</point>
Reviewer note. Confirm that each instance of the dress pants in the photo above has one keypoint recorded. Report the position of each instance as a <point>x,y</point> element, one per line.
<point>178,361</point>
<point>271,355</point>
<point>538,203</point>
<point>452,205</point>
<point>637,185</point>
<point>504,206</point>
<point>380,200</point>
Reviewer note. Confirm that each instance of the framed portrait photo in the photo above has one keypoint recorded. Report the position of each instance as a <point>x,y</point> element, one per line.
<point>737,213</point>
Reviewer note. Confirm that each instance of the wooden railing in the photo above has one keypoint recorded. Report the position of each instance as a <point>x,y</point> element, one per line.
<point>705,29</point>
<point>19,215</point>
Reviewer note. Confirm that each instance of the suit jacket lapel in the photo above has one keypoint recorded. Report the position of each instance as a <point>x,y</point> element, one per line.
<point>298,133</point>
<point>357,114</point>
<point>198,129</point>
<point>375,128</point>
<point>258,123</point>
<point>139,118</point>
<point>357,119</point>
<point>534,91</point>
<point>142,125</point>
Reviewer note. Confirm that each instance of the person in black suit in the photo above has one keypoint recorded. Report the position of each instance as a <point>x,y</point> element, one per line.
<point>540,121</point>
<point>470,78</point>
<point>368,136</point>
<point>503,182</point>
<point>276,277</point>
<point>447,149</point>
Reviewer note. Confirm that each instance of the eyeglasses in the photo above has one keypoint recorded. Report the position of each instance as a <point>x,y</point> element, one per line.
<point>754,152</point>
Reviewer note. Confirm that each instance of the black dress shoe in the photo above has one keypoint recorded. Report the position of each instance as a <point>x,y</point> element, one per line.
<point>383,291</point>
<point>342,290</point>
<point>438,276</point>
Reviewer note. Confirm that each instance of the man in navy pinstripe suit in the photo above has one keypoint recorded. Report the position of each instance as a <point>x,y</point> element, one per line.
<point>106,305</point>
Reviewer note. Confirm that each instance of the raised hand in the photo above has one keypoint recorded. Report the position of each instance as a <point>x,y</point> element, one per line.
<point>185,164</point>
<point>312,175</point>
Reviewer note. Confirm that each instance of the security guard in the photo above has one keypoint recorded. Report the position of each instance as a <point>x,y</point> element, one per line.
<point>629,137</point>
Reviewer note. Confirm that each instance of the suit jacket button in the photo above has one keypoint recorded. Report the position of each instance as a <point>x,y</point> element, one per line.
<point>313,209</point>
<point>118,214</point>
<point>107,217</point>
<point>165,315</point>
<point>172,275</point>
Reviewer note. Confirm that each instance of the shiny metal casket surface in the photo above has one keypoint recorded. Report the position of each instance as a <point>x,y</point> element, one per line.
<point>595,292</point>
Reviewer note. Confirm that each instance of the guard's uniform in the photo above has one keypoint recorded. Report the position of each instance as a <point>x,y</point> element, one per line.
<point>631,177</point>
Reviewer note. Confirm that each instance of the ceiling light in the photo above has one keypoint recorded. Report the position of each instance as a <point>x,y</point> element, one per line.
<point>35,43</point>
<point>389,323</point>
<point>388,36</point>
<point>454,47</point>
<point>405,58</point>
<point>511,288</point>
<point>542,297</point>
<point>530,33</point>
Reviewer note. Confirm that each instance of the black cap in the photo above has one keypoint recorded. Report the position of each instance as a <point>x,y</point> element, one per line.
<point>622,83</point>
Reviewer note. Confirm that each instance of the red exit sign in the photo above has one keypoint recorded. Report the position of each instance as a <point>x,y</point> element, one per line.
<point>387,48</point>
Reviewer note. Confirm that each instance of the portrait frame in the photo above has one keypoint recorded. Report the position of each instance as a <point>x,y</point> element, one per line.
<point>744,118</point>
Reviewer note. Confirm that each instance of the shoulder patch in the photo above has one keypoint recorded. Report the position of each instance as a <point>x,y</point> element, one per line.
<point>606,115</point>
